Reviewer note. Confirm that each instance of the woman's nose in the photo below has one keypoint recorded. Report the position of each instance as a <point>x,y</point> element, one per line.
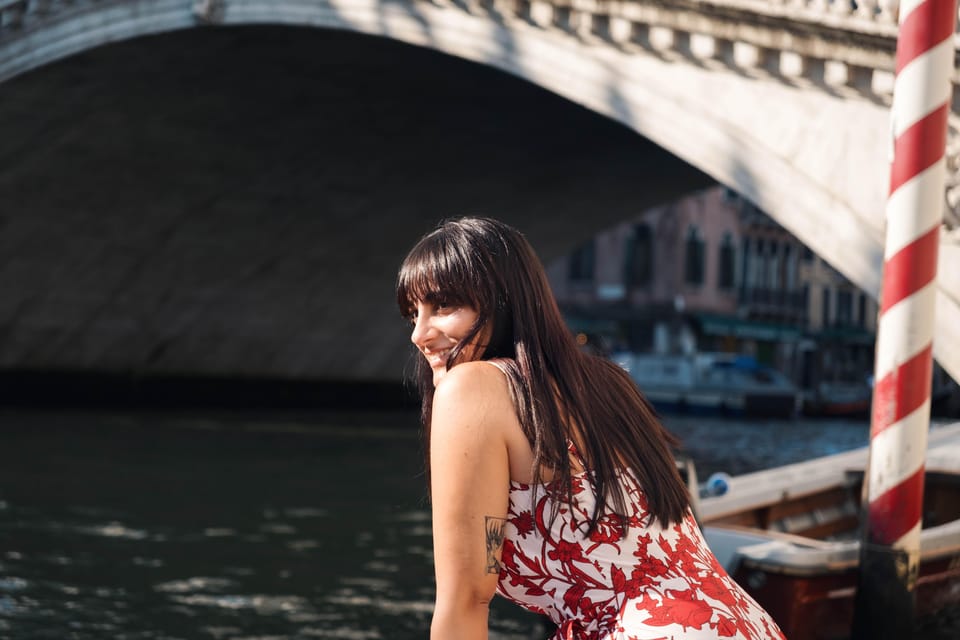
<point>420,329</point>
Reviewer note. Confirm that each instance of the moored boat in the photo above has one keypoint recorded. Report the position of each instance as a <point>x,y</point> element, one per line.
<point>839,400</point>
<point>790,536</point>
<point>711,383</point>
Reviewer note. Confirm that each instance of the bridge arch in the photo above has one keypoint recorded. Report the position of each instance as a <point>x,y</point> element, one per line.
<point>814,157</point>
<point>801,155</point>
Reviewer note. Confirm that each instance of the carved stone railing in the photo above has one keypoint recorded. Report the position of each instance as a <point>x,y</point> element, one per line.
<point>830,42</point>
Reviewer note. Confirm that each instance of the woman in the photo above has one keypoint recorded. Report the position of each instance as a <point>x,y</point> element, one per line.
<point>551,480</point>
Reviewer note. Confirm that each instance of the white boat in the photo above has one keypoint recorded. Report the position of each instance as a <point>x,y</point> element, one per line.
<point>790,536</point>
<point>711,383</point>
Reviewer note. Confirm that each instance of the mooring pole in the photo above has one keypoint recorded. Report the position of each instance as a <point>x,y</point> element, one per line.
<point>900,417</point>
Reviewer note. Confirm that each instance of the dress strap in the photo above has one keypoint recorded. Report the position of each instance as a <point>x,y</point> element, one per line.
<point>499,364</point>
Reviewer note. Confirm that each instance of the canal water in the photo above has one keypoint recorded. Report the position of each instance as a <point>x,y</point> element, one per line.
<point>166,526</point>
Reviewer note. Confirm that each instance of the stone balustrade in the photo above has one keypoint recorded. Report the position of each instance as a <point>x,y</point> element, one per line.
<point>829,42</point>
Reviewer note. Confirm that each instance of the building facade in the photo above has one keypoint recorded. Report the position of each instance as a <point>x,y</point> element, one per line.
<point>841,325</point>
<point>712,272</point>
<point>640,282</point>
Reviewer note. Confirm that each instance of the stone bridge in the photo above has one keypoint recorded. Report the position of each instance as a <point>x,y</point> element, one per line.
<point>787,102</point>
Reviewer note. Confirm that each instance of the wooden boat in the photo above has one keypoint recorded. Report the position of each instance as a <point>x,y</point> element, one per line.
<point>839,400</point>
<point>790,536</point>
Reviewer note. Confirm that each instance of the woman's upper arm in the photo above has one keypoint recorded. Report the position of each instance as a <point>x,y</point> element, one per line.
<point>470,482</point>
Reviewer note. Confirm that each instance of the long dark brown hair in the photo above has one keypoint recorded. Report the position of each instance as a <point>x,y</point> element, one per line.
<point>561,394</point>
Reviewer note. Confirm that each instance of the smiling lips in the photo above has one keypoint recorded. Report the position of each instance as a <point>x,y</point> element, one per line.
<point>438,358</point>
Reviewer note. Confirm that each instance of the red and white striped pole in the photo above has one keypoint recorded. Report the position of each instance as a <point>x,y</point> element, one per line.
<point>900,419</point>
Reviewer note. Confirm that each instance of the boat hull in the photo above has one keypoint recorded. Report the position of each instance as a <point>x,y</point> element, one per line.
<point>791,537</point>
<point>821,607</point>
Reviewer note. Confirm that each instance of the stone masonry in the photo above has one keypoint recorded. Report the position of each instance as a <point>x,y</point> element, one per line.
<point>235,202</point>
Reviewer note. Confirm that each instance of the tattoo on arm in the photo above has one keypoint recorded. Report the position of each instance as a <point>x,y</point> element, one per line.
<point>495,534</point>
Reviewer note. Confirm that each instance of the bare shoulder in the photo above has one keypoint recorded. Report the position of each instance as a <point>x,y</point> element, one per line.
<point>472,380</point>
<point>476,389</point>
<point>473,406</point>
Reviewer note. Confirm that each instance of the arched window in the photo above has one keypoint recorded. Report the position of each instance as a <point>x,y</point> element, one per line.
<point>746,270</point>
<point>695,250</point>
<point>844,308</point>
<point>726,278</point>
<point>825,308</point>
<point>760,264</point>
<point>773,266</point>
<point>790,267</point>
<point>582,262</point>
<point>638,266</point>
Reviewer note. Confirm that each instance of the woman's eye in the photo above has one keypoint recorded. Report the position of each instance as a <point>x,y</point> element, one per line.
<point>446,305</point>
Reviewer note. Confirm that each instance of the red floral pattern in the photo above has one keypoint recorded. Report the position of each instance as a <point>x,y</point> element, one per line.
<point>652,583</point>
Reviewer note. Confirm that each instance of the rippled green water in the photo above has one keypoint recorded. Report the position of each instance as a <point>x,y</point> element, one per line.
<point>152,527</point>
<point>268,528</point>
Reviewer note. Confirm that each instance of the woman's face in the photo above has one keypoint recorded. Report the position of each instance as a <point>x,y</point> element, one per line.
<point>437,328</point>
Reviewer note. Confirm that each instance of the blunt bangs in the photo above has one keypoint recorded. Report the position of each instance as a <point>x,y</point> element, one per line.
<point>436,270</point>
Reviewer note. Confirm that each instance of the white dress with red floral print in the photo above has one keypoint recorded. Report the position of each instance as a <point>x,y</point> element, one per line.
<point>653,583</point>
